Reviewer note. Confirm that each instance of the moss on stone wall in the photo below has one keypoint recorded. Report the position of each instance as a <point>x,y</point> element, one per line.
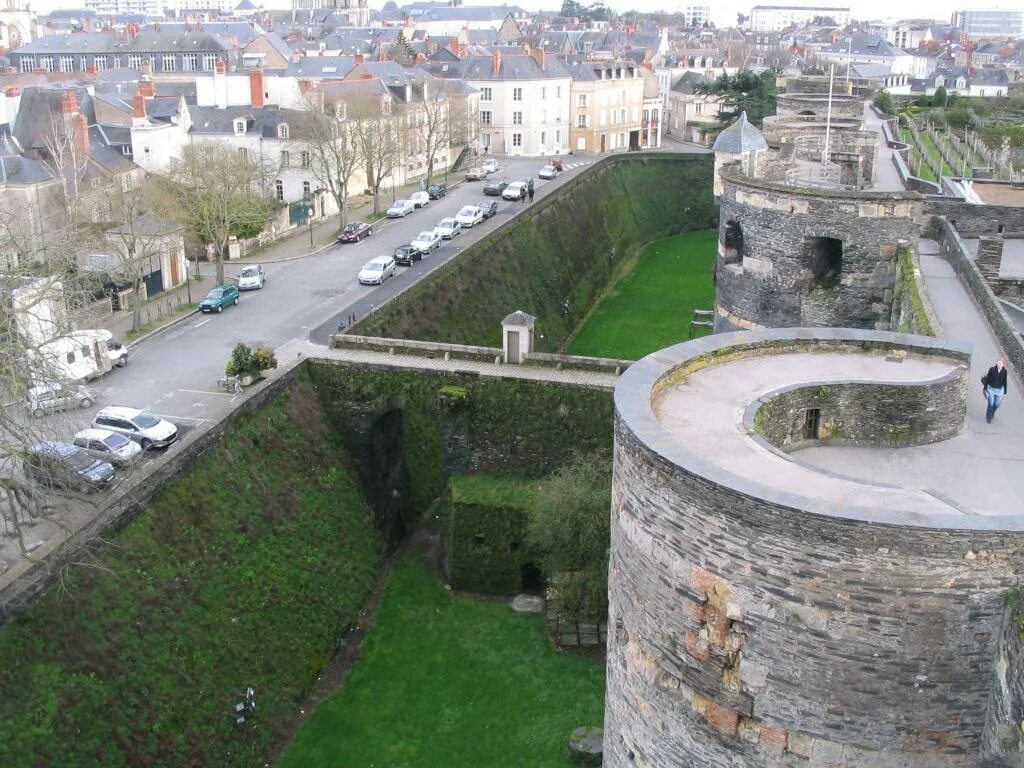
<point>554,260</point>
<point>909,300</point>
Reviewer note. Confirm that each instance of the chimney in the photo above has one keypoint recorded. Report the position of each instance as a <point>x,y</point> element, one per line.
<point>497,63</point>
<point>138,107</point>
<point>256,86</point>
<point>69,103</point>
<point>296,55</point>
<point>133,30</point>
<point>220,68</point>
<point>540,57</point>
<point>220,85</point>
<point>147,88</point>
<point>359,58</point>
<point>80,129</point>
<point>421,59</point>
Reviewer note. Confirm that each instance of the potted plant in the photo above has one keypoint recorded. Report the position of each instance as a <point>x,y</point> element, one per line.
<point>247,363</point>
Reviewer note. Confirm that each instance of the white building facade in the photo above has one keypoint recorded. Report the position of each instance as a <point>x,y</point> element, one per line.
<point>774,18</point>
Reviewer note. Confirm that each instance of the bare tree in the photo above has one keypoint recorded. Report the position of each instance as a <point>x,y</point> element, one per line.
<point>379,141</point>
<point>434,124</point>
<point>218,194</point>
<point>333,150</point>
<point>67,159</point>
<point>133,233</point>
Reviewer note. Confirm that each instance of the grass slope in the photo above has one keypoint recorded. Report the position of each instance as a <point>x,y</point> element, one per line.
<point>244,571</point>
<point>652,305</point>
<point>448,682</point>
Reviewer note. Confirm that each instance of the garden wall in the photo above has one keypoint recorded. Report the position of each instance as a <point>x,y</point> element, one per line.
<point>562,250</point>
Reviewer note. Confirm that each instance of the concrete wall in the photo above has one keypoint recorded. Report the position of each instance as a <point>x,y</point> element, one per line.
<point>770,285</point>
<point>976,220</point>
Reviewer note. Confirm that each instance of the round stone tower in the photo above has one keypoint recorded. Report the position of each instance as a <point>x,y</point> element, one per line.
<point>767,610</point>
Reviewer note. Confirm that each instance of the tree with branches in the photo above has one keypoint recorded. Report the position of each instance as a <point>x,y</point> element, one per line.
<point>216,192</point>
<point>743,92</point>
<point>379,142</point>
<point>333,150</point>
<point>434,124</point>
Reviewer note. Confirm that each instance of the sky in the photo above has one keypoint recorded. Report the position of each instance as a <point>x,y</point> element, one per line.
<point>723,12</point>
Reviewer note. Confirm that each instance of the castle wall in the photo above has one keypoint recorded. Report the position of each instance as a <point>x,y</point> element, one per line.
<point>817,104</point>
<point>770,285</point>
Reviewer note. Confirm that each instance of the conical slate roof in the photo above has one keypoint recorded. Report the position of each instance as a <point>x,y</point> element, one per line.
<point>740,137</point>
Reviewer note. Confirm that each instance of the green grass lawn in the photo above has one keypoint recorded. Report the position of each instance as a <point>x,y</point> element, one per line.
<point>449,682</point>
<point>652,304</point>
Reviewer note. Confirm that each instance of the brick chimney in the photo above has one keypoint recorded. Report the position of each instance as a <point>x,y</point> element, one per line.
<point>497,63</point>
<point>220,67</point>
<point>147,88</point>
<point>69,103</point>
<point>80,130</point>
<point>296,55</point>
<point>132,30</point>
<point>540,57</point>
<point>256,86</point>
<point>360,58</point>
<point>421,59</point>
<point>138,107</point>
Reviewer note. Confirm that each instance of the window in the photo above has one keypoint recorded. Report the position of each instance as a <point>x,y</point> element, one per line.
<point>961,82</point>
<point>209,62</point>
<point>558,91</point>
<point>46,62</point>
<point>71,357</point>
<point>279,190</point>
<point>126,150</point>
<point>28,63</point>
<point>307,190</point>
<point>85,352</point>
<point>581,100</point>
<point>485,94</point>
<point>190,62</point>
<point>485,117</point>
<point>517,139</point>
<point>286,159</point>
<point>581,121</point>
<point>239,127</point>
<point>517,118</point>
<point>543,92</point>
<point>83,63</point>
<point>100,62</point>
<point>698,108</point>
<point>812,423</point>
<point>517,94</point>
<point>170,63</point>
<point>243,152</point>
<point>305,159</point>
<point>282,131</point>
<point>117,62</point>
<point>134,61</point>
<point>67,63</point>
<point>558,137</point>
<point>543,139</point>
<point>940,81</point>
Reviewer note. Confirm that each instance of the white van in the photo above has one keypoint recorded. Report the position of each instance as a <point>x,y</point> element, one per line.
<point>78,356</point>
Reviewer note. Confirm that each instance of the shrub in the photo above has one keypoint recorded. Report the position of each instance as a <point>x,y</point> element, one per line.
<point>941,98</point>
<point>245,360</point>
<point>884,102</point>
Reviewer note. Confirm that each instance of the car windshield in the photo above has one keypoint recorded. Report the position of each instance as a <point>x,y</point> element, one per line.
<point>80,460</point>
<point>215,294</point>
<point>250,272</point>
<point>425,236</point>
<point>468,211</point>
<point>145,420</point>
<point>399,204</point>
<point>374,266</point>
<point>115,441</point>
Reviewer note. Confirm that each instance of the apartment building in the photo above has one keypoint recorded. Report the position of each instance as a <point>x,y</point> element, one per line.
<point>607,106</point>
<point>774,18</point>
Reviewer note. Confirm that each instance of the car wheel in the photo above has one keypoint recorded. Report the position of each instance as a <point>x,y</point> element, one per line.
<point>369,232</point>
<point>357,238</point>
<point>39,413</point>
<point>235,302</point>
<point>145,444</point>
<point>122,361</point>
<point>85,402</point>
<point>219,309</point>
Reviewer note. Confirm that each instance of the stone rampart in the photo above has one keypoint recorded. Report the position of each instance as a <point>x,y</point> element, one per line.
<point>793,256</point>
<point>818,104</point>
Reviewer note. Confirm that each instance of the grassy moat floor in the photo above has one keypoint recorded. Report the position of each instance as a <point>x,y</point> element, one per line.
<point>652,305</point>
<point>446,681</point>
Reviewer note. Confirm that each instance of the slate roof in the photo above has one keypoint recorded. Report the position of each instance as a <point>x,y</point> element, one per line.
<point>513,67</point>
<point>864,45</point>
<point>740,137</point>
<point>15,169</point>
<point>146,42</point>
<point>335,67</point>
<point>519,318</point>
<point>39,104</point>
<point>260,121</point>
<point>688,82</point>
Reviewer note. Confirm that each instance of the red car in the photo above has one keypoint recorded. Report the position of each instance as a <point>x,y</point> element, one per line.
<point>353,233</point>
<point>556,163</point>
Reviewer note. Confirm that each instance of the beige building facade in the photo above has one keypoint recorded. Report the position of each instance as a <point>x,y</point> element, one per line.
<point>607,107</point>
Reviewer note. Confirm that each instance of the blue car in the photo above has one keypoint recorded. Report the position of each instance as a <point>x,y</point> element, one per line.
<point>218,298</point>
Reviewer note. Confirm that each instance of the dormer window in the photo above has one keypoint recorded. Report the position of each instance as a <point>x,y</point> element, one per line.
<point>940,81</point>
<point>961,82</point>
<point>239,127</point>
<point>282,131</point>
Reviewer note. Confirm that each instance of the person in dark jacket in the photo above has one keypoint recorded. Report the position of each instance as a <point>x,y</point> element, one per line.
<point>995,388</point>
<point>530,193</point>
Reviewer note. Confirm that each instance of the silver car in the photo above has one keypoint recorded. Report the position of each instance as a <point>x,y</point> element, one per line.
<point>53,396</point>
<point>109,446</point>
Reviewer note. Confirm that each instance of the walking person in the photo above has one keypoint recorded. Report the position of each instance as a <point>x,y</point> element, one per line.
<point>531,194</point>
<point>995,388</point>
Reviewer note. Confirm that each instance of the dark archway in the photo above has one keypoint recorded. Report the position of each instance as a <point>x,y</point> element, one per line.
<point>732,241</point>
<point>824,259</point>
<point>807,113</point>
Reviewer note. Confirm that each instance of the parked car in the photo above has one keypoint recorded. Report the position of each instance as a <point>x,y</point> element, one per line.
<point>251,278</point>
<point>547,172</point>
<point>53,396</point>
<point>514,191</point>
<point>419,199</point>
<point>377,270</point>
<point>400,209</point>
<point>111,447</point>
<point>437,191</point>
<point>67,466</point>
<point>426,241</point>
<point>353,233</point>
<point>556,163</point>
<point>117,353</point>
<point>487,207</point>
<point>447,228</point>
<point>405,255</point>
<point>147,429</point>
<point>476,174</point>
<point>218,298</point>
<point>469,215</point>
<point>490,165</point>
<point>495,187</point>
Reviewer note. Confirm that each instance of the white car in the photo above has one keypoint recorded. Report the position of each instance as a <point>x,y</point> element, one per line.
<point>117,353</point>
<point>469,215</point>
<point>147,429</point>
<point>427,241</point>
<point>419,199</point>
<point>447,228</point>
<point>401,209</point>
<point>251,278</point>
<point>547,172</point>
<point>490,165</point>
<point>105,445</point>
<point>514,191</point>
<point>377,270</point>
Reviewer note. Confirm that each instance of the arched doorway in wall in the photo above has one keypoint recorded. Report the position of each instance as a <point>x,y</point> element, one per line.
<point>823,258</point>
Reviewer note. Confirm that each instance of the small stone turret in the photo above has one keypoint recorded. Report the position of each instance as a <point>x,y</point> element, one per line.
<point>743,142</point>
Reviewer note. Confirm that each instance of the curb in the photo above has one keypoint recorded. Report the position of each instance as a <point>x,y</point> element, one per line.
<point>162,328</point>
